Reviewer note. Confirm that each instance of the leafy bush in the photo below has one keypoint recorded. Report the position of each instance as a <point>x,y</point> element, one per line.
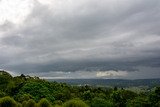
<point>120,97</point>
<point>24,103</point>
<point>23,97</point>
<point>99,102</point>
<point>30,103</point>
<point>139,102</point>
<point>5,79</point>
<point>158,104</point>
<point>57,105</point>
<point>75,103</point>
<point>19,105</point>
<point>87,95</point>
<point>57,102</point>
<point>38,90</point>
<point>44,103</point>
<point>2,94</point>
<point>7,102</point>
<point>154,96</point>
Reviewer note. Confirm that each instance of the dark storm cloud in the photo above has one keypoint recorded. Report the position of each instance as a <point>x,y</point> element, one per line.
<point>86,35</point>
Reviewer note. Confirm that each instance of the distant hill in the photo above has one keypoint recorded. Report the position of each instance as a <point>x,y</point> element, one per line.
<point>111,82</point>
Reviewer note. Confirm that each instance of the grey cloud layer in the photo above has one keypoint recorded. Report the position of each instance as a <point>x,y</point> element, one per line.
<point>84,35</point>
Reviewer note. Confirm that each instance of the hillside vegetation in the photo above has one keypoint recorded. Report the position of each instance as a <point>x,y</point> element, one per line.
<point>26,91</point>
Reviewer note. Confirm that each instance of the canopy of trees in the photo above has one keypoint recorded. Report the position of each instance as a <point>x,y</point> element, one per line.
<point>26,91</point>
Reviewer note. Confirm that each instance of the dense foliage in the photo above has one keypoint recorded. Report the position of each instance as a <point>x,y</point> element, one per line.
<point>26,91</point>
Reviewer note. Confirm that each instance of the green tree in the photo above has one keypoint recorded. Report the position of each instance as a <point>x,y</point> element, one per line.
<point>155,96</point>
<point>99,102</point>
<point>24,103</point>
<point>44,103</point>
<point>30,103</point>
<point>5,79</point>
<point>87,95</point>
<point>157,104</point>
<point>139,102</point>
<point>2,94</point>
<point>23,97</point>
<point>19,105</point>
<point>75,103</point>
<point>120,97</point>
<point>38,90</point>
<point>57,105</point>
<point>7,102</point>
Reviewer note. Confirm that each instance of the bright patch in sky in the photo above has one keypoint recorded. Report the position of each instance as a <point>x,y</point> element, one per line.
<point>111,73</point>
<point>46,2</point>
<point>14,11</point>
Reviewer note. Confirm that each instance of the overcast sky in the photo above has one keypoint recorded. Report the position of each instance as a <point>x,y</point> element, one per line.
<point>81,38</point>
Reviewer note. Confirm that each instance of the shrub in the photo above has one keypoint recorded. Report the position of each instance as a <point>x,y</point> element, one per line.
<point>24,103</point>
<point>99,102</point>
<point>120,97</point>
<point>38,90</point>
<point>57,105</point>
<point>75,103</point>
<point>19,105</point>
<point>57,102</point>
<point>2,94</point>
<point>158,104</point>
<point>7,102</point>
<point>44,103</point>
<point>23,97</point>
<point>139,102</point>
<point>30,103</point>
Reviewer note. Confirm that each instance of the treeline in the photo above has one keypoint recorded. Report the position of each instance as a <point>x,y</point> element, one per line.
<point>125,83</point>
<point>10,102</point>
<point>26,91</point>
